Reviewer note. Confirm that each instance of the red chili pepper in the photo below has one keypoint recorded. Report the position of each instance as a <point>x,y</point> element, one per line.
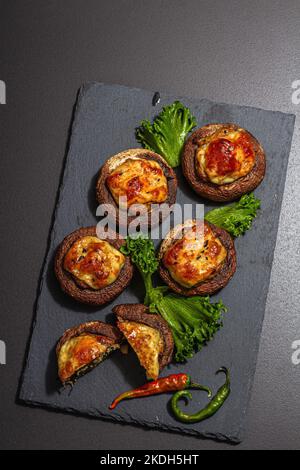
<point>170,383</point>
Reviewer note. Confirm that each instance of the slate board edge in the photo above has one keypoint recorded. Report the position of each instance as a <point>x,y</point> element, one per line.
<point>242,430</point>
<point>21,394</point>
<point>86,86</point>
<point>129,420</point>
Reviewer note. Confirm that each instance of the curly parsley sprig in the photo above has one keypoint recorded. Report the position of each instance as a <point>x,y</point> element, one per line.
<point>193,321</point>
<point>167,133</point>
<point>236,218</point>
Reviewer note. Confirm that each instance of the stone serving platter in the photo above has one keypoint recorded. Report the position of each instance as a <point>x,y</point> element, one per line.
<point>104,122</point>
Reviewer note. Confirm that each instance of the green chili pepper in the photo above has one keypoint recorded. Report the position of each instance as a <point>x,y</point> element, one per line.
<point>213,406</point>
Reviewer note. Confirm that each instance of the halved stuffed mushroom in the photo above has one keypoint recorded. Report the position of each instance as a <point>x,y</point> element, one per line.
<point>91,270</point>
<point>197,258</point>
<point>83,347</point>
<point>142,177</point>
<point>149,336</point>
<point>221,162</point>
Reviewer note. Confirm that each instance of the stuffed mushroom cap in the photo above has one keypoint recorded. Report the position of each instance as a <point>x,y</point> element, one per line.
<point>83,347</point>
<point>92,270</point>
<point>221,162</point>
<point>197,258</point>
<point>149,336</point>
<point>135,182</point>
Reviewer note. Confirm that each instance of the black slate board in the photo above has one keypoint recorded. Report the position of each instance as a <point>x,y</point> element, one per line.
<point>104,123</point>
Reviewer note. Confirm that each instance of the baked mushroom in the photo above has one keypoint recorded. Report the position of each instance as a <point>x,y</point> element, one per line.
<point>83,347</point>
<point>91,270</point>
<point>197,258</point>
<point>142,177</point>
<point>149,336</point>
<point>222,162</point>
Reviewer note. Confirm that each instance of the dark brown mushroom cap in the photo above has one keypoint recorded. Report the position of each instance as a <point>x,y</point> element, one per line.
<point>104,195</point>
<point>98,328</point>
<point>209,286</point>
<point>106,334</point>
<point>224,192</point>
<point>139,313</point>
<point>78,290</point>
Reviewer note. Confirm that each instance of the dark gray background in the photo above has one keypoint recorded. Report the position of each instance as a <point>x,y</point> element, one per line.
<point>235,51</point>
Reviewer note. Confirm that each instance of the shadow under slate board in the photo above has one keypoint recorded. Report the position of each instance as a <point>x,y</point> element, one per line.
<point>104,123</point>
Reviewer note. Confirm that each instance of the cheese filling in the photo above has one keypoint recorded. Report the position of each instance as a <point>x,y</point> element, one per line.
<point>140,181</point>
<point>225,156</point>
<point>79,352</point>
<point>196,257</point>
<point>147,343</point>
<point>94,262</point>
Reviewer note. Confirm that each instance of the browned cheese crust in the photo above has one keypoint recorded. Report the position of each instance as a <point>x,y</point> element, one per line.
<point>225,192</point>
<point>107,335</point>
<point>210,286</point>
<point>78,290</point>
<point>93,327</point>
<point>104,195</point>
<point>139,313</point>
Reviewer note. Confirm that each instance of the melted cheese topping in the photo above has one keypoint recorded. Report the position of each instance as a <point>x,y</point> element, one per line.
<point>80,351</point>
<point>225,156</point>
<point>196,257</point>
<point>93,261</point>
<point>147,343</point>
<point>140,181</point>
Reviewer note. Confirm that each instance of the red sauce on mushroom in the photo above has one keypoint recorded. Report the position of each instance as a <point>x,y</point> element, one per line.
<point>134,187</point>
<point>244,142</point>
<point>221,155</point>
<point>92,264</point>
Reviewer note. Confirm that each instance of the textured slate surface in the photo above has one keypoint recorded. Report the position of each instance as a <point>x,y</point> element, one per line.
<point>104,123</point>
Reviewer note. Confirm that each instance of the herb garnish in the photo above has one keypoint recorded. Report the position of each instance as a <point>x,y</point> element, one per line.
<point>193,321</point>
<point>167,133</point>
<point>236,218</point>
